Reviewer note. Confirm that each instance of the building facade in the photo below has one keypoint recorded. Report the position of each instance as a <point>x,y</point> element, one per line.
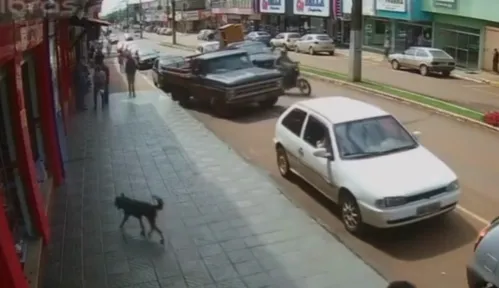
<point>235,11</point>
<point>38,51</point>
<point>466,29</point>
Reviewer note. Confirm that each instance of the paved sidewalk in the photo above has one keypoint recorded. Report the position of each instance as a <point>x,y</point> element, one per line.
<point>226,224</point>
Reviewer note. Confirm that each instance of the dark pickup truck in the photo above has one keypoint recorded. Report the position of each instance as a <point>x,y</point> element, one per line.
<point>223,79</point>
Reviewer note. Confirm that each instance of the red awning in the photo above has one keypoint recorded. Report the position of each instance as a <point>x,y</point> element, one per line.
<point>98,22</point>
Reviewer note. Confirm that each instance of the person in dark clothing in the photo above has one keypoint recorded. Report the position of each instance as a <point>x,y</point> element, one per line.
<point>99,57</point>
<point>106,86</point>
<point>130,70</point>
<point>495,61</point>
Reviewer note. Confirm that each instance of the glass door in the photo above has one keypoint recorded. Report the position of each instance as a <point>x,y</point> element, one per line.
<point>18,214</point>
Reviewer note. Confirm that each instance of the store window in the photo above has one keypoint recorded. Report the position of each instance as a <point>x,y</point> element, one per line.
<point>407,35</point>
<point>11,187</point>
<point>461,43</point>
<point>375,32</point>
<point>33,117</point>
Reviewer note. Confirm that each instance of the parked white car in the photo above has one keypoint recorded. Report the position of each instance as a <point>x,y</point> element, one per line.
<point>128,37</point>
<point>285,40</point>
<point>315,43</point>
<point>363,159</point>
<point>206,47</point>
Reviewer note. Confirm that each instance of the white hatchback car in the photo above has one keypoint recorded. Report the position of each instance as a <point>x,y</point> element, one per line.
<point>363,159</point>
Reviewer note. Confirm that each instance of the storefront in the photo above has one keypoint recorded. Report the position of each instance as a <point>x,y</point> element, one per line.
<point>461,38</point>
<point>29,156</point>
<point>314,16</point>
<point>273,16</point>
<point>344,19</point>
<point>401,22</point>
<point>237,11</point>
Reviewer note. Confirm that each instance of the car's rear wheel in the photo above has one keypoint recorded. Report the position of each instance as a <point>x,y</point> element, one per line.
<point>423,70</point>
<point>350,213</point>
<point>395,65</point>
<point>282,162</point>
<point>446,74</point>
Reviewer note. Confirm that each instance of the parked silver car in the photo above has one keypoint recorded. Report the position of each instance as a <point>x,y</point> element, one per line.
<point>315,43</point>
<point>483,267</point>
<point>426,60</point>
<point>286,40</point>
<point>260,36</point>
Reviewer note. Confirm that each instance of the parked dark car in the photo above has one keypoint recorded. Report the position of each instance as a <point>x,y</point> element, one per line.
<point>146,57</point>
<point>161,64</point>
<point>259,53</point>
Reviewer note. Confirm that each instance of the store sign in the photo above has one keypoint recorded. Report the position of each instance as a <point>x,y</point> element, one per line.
<point>391,5</point>
<point>449,4</point>
<point>190,15</point>
<point>367,7</point>
<point>318,8</point>
<point>272,6</point>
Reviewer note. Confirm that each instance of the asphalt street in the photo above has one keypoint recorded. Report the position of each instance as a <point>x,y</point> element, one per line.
<point>480,97</point>
<point>437,249</point>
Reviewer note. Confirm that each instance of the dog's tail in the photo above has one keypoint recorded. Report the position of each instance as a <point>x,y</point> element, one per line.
<point>160,204</point>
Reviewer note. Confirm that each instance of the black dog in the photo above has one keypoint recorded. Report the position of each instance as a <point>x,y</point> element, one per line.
<point>137,209</point>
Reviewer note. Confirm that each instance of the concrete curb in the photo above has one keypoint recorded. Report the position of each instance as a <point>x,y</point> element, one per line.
<point>477,80</point>
<point>378,93</point>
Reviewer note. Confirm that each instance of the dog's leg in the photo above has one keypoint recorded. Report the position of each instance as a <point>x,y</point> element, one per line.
<point>154,227</point>
<point>142,229</point>
<point>125,218</point>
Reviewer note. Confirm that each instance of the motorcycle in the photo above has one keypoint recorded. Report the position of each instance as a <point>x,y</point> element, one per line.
<point>292,79</point>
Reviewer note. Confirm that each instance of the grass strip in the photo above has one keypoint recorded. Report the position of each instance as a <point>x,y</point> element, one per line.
<point>416,97</point>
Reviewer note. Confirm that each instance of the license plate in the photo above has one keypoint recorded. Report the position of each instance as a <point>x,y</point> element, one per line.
<point>428,209</point>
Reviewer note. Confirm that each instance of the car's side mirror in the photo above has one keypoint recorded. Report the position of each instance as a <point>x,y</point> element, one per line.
<point>322,153</point>
<point>416,134</point>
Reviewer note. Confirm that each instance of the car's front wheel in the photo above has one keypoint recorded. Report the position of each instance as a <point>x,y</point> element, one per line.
<point>395,65</point>
<point>350,213</point>
<point>282,162</point>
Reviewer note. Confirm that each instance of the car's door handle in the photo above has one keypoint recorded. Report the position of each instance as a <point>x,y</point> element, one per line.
<point>300,151</point>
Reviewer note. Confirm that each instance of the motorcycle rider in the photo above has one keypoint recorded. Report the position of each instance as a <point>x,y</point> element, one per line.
<point>286,66</point>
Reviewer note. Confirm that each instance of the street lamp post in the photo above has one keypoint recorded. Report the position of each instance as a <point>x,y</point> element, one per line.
<point>174,28</point>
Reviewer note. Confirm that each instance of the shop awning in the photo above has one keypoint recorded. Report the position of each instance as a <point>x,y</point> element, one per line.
<point>98,22</point>
<point>85,21</point>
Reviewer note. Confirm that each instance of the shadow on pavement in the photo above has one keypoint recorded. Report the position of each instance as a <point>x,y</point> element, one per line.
<point>413,242</point>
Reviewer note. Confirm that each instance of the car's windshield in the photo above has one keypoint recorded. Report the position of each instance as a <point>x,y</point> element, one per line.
<point>256,49</point>
<point>439,54</point>
<point>146,52</point>
<point>372,137</point>
<point>229,63</point>
<point>171,61</point>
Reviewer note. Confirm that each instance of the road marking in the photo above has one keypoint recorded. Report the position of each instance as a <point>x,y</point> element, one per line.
<point>252,152</point>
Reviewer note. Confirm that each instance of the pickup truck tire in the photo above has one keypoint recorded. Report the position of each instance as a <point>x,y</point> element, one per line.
<point>220,108</point>
<point>269,103</point>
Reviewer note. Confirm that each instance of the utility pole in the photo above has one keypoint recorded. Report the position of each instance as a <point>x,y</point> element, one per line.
<point>127,17</point>
<point>140,19</point>
<point>174,28</point>
<point>355,65</point>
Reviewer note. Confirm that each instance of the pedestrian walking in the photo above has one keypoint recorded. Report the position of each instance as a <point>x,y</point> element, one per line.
<point>495,61</point>
<point>100,81</point>
<point>387,47</point>
<point>81,81</point>
<point>130,71</point>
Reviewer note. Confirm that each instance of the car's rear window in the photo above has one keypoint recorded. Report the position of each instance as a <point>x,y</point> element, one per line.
<point>439,54</point>
<point>262,33</point>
